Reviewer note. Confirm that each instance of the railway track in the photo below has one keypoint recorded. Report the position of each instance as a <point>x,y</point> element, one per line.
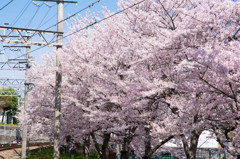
<point>4,147</point>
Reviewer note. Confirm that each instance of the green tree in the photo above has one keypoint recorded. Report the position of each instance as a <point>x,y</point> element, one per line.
<point>9,104</point>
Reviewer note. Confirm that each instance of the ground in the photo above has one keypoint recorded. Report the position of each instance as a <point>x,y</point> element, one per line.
<point>13,154</point>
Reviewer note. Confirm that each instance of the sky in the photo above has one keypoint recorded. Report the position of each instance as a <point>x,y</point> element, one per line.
<point>9,13</point>
<point>38,15</point>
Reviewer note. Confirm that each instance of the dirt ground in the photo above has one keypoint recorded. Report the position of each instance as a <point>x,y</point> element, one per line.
<point>13,154</point>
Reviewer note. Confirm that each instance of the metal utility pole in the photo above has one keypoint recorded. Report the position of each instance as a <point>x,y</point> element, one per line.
<point>27,81</point>
<point>18,33</point>
<point>18,64</point>
<point>15,35</point>
<point>18,82</point>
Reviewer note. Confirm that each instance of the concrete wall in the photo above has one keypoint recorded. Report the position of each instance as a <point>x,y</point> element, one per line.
<point>7,134</point>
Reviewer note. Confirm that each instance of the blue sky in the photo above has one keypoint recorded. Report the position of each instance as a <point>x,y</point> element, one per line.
<point>25,14</point>
<point>8,14</point>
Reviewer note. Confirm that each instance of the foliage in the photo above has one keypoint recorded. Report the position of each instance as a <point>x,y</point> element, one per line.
<point>10,104</point>
<point>48,154</point>
<point>156,72</point>
<point>8,124</point>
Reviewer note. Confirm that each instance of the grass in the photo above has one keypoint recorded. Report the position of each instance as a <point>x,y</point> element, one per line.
<point>8,124</point>
<point>48,154</point>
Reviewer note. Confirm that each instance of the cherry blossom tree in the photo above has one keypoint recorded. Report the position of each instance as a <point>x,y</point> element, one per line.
<point>160,70</point>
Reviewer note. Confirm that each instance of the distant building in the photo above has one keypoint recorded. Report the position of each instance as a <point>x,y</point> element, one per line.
<point>208,147</point>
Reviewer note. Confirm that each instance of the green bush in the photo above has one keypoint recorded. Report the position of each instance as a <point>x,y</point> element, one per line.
<point>8,124</point>
<point>48,154</point>
<point>44,154</point>
<point>93,155</point>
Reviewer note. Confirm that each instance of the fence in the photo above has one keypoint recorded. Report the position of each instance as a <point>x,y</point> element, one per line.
<point>201,154</point>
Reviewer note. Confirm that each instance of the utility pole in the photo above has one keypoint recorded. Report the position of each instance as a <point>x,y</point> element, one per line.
<point>19,82</point>
<point>58,89</point>
<point>58,85</point>
<point>27,81</point>
<point>18,33</point>
<point>15,35</point>
<point>24,40</point>
<point>18,64</point>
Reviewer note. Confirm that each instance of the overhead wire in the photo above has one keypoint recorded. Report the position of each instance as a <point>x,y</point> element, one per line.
<point>21,13</point>
<point>75,14</point>
<point>65,18</point>
<point>6,5</point>
<point>30,21</point>
<point>49,9</point>
<point>108,17</point>
<point>18,17</point>
<point>15,21</point>
<point>51,18</point>
<point>92,24</point>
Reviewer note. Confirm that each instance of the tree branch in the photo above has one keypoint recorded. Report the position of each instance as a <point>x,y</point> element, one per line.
<point>96,144</point>
<point>219,90</point>
<point>161,143</point>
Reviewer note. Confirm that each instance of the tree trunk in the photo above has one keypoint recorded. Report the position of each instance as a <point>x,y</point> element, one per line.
<point>105,146</point>
<point>194,143</point>
<point>96,144</point>
<point>124,154</point>
<point>125,150</point>
<point>146,157</point>
<point>126,142</point>
<point>148,148</point>
<point>160,144</point>
<point>8,118</point>
<point>86,146</point>
<point>3,115</point>
<point>191,151</point>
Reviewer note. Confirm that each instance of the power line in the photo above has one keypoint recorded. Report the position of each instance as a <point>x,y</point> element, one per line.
<point>30,21</point>
<point>21,13</point>
<point>18,17</point>
<point>6,5</point>
<point>75,14</point>
<point>92,24</point>
<point>65,18</point>
<point>96,22</point>
<point>27,5</point>
<point>44,17</point>
<point>51,17</point>
<point>49,9</point>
